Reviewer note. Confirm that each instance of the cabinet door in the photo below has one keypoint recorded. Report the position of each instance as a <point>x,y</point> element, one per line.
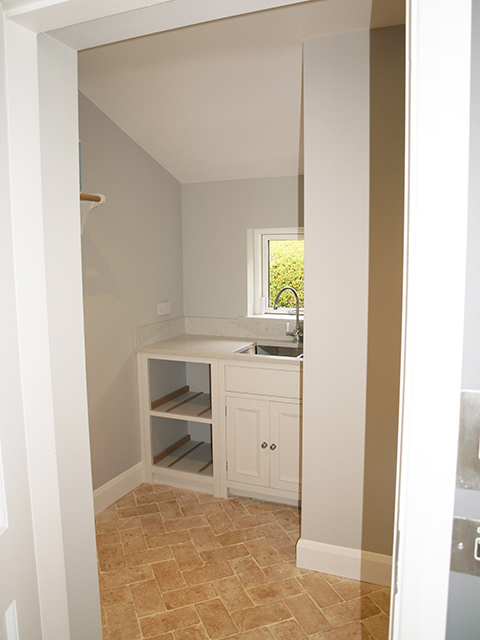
<point>247,431</point>
<point>285,446</point>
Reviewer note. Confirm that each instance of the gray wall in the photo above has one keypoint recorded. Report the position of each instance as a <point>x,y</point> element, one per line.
<point>216,216</point>
<point>132,259</point>
<point>387,131</point>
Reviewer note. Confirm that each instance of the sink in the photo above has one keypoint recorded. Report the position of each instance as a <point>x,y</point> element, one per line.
<point>282,351</point>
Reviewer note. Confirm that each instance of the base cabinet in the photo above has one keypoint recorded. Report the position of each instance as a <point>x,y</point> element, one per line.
<point>263,442</point>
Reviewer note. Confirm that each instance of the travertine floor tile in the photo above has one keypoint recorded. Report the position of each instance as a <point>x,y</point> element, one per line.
<point>346,612</point>
<point>176,564</point>
<point>111,579</point>
<point>132,540</point>
<point>288,630</point>
<point>193,633</point>
<point>148,557</point>
<point>275,591</point>
<point>115,595</point>
<point>355,631</point>
<point>168,575</point>
<point>217,621</point>
<point>382,599</point>
<point>233,594</point>
<point>248,572</point>
<point>256,634</point>
<point>146,598</point>
<point>152,524</point>
<point>263,553</point>
<point>110,557</point>
<point>310,618</point>
<point>122,622</point>
<point>261,616</point>
<point>208,573</point>
<point>319,590</point>
<point>350,589</point>
<point>189,595</point>
<point>204,539</point>
<point>377,626</point>
<point>226,553</point>
<point>169,621</point>
<point>187,556</point>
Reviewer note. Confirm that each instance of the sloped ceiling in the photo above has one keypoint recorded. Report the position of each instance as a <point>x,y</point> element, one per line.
<point>221,100</point>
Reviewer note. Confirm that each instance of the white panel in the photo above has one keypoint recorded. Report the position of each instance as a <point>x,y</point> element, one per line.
<point>3,502</point>
<point>264,382</point>
<point>285,433</point>
<point>247,429</point>
<point>8,624</point>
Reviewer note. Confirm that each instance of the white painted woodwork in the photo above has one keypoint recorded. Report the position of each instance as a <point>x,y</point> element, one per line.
<point>285,433</point>
<point>191,414</point>
<point>251,423</point>
<point>269,382</point>
<point>247,429</point>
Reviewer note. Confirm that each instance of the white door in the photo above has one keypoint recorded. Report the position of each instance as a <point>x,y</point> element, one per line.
<point>285,453</point>
<point>248,440</point>
<point>19,604</point>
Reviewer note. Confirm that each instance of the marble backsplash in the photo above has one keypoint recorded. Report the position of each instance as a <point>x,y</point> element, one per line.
<point>248,327</point>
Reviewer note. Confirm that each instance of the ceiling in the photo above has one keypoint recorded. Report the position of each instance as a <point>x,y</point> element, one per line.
<point>221,100</point>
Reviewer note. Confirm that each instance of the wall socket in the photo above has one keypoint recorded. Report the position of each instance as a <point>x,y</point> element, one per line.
<point>164,308</point>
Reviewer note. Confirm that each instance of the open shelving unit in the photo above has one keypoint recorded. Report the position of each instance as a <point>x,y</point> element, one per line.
<point>177,421</point>
<point>183,402</point>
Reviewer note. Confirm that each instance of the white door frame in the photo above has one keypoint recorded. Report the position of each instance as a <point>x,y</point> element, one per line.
<point>435,258</point>
<point>434,278</point>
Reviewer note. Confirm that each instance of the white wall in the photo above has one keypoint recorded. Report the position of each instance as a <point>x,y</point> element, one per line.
<point>216,216</point>
<point>59,120</point>
<point>132,259</point>
<point>336,286</point>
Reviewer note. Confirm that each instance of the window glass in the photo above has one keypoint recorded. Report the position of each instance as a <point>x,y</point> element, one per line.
<point>285,269</point>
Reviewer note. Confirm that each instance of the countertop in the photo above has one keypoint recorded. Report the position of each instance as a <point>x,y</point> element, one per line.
<point>220,348</point>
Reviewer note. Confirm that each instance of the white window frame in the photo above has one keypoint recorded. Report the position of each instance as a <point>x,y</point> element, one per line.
<point>258,276</point>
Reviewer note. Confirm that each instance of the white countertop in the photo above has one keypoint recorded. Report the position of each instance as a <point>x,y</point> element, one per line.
<point>220,348</point>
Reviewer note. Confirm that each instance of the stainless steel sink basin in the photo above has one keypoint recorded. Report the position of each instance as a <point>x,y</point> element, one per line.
<point>281,351</point>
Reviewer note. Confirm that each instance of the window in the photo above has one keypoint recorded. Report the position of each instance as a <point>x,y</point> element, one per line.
<point>277,263</point>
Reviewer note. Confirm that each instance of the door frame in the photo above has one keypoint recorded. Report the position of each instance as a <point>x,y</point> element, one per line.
<point>437,187</point>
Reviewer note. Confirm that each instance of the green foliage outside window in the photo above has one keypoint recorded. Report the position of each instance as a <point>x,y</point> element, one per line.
<point>285,270</point>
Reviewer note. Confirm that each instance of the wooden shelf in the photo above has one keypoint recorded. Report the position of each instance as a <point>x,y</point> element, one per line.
<point>184,404</point>
<point>188,456</point>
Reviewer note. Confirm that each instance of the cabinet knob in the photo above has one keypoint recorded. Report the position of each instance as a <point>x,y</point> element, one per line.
<point>264,445</point>
<point>273,447</point>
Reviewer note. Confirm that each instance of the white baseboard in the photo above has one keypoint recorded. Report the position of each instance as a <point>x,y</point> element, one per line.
<point>342,561</point>
<point>116,488</point>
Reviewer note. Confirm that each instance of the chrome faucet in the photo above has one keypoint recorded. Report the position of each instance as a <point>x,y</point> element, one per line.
<point>297,334</point>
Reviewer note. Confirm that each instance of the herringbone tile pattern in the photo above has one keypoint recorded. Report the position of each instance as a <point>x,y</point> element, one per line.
<point>176,564</point>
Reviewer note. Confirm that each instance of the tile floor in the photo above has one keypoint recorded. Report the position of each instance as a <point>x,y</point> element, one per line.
<point>180,565</point>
